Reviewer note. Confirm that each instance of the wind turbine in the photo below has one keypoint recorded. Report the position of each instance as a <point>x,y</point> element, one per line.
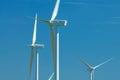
<point>34,47</point>
<point>91,69</point>
<point>54,33</point>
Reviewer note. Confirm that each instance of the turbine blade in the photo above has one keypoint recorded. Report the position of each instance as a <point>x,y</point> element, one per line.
<point>51,76</point>
<point>53,45</point>
<point>35,30</point>
<point>33,18</point>
<point>45,21</point>
<point>31,62</point>
<point>55,10</point>
<point>85,63</point>
<point>30,17</point>
<point>102,63</point>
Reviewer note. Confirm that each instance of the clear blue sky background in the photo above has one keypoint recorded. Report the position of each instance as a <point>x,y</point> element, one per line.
<point>93,32</point>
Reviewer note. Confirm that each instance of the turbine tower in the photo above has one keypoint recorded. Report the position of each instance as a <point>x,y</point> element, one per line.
<point>91,69</point>
<point>34,47</point>
<point>54,33</point>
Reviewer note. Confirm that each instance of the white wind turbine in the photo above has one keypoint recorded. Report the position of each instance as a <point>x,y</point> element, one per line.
<point>91,69</point>
<point>35,46</point>
<point>54,33</point>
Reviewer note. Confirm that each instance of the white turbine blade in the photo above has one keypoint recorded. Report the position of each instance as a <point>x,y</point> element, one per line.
<point>102,63</point>
<point>85,63</point>
<point>55,10</point>
<point>34,32</point>
<point>51,76</point>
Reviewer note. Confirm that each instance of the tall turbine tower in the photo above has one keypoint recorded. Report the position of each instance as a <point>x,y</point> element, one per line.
<point>54,33</point>
<point>91,69</point>
<point>35,46</point>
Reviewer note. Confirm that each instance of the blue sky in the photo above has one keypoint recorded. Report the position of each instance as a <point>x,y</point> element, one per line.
<point>93,32</point>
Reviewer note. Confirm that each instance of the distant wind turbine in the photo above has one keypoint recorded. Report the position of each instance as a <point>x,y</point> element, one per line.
<point>35,46</point>
<point>91,69</point>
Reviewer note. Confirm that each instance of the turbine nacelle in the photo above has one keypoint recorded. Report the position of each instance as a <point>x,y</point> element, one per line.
<point>91,69</point>
<point>58,22</point>
<point>55,22</point>
<point>37,45</point>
